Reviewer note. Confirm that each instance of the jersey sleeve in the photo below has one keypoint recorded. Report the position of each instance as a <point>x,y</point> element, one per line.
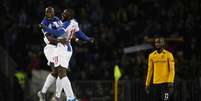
<point>75,25</point>
<point>171,68</point>
<point>44,22</point>
<point>149,71</point>
<point>82,36</point>
<point>79,34</point>
<point>58,32</point>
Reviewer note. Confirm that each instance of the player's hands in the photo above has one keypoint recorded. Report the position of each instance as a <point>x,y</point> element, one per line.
<point>91,40</point>
<point>170,87</point>
<point>147,89</point>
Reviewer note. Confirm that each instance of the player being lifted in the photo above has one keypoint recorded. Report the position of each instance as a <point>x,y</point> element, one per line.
<point>52,22</point>
<point>69,28</point>
<point>50,50</point>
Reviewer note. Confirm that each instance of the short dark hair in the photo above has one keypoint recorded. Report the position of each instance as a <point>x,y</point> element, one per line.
<point>70,13</point>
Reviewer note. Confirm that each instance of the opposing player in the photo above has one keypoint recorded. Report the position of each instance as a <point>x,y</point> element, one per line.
<point>70,26</point>
<point>50,49</point>
<point>161,68</point>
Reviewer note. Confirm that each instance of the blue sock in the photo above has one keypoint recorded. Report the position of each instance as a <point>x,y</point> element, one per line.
<point>72,99</point>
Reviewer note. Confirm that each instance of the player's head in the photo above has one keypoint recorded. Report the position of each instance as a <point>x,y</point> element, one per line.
<point>49,12</point>
<point>159,43</point>
<point>67,14</point>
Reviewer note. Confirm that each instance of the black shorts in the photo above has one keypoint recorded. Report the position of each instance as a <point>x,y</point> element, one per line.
<point>160,92</point>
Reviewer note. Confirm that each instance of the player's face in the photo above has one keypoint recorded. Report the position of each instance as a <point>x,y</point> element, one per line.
<point>49,12</point>
<point>67,14</point>
<point>158,43</point>
<point>63,15</point>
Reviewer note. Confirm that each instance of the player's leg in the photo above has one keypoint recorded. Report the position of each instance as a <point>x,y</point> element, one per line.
<point>50,53</point>
<point>166,95</point>
<point>48,82</point>
<point>66,84</point>
<point>50,79</point>
<point>58,88</point>
<point>156,93</point>
<point>63,61</point>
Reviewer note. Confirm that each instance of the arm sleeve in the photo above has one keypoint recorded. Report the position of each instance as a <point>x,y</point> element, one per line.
<point>171,68</point>
<point>75,25</point>
<point>82,36</point>
<point>79,34</point>
<point>149,71</point>
<point>57,32</point>
<point>43,30</point>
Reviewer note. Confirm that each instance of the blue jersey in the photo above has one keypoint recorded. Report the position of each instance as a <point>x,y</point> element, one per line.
<point>53,24</point>
<point>66,30</point>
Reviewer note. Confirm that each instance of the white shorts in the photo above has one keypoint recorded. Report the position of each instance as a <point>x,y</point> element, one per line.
<point>64,55</point>
<point>50,52</point>
<point>59,55</point>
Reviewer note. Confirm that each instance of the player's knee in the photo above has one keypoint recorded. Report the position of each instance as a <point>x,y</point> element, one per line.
<point>54,73</point>
<point>61,72</point>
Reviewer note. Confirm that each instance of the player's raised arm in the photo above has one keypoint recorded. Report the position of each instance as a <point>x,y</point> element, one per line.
<point>78,33</point>
<point>82,36</point>
<point>68,15</point>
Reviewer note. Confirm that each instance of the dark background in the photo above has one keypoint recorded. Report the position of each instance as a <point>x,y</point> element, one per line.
<point>115,24</point>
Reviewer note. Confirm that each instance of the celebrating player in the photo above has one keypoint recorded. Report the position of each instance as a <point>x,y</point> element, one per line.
<point>70,27</point>
<point>50,50</point>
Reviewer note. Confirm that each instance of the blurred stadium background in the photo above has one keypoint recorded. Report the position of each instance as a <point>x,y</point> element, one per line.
<point>123,30</point>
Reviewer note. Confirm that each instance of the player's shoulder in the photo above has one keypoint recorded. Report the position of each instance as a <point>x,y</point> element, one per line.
<point>44,21</point>
<point>152,53</point>
<point>167,52</point>
<point>74,21</point>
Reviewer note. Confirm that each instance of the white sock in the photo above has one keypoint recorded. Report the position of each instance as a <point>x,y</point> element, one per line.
<point>58,88</point>
<point>48,82</point>
<point>66,85</point>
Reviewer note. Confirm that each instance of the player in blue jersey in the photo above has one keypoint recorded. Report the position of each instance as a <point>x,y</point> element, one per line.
<point>69,28</point>
<point>50,50</point>
<point>69,25</point>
